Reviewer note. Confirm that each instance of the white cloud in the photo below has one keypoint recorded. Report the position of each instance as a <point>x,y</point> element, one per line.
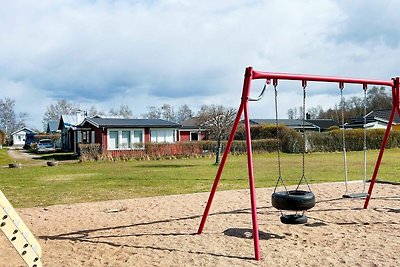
<point>144,53</point>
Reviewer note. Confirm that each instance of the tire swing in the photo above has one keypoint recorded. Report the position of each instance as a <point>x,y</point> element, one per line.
<point>292,200</point>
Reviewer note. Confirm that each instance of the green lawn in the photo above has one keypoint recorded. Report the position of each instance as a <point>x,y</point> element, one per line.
<point>93,181</point>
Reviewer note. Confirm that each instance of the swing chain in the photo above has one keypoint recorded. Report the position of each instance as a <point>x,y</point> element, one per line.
<point>303,176</point>
<point>275,84</point>
<point>365,87</point>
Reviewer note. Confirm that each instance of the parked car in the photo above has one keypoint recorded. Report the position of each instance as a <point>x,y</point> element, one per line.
<point>45,146</point>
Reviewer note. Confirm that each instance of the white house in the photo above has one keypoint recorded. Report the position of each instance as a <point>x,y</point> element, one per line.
<point>19,136</point>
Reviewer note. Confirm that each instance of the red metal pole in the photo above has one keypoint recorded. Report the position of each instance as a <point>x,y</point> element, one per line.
<point>257,253</point>
<point>395,107</point>
<point>318,78</point>
<point>245,96</point>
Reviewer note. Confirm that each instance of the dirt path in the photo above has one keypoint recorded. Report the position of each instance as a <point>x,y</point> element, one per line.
<point>20,154</point>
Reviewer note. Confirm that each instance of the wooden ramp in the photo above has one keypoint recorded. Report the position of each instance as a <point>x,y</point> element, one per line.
<point>18,234</point>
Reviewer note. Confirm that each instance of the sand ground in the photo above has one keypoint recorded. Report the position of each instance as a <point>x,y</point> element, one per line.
<point>160,231</point>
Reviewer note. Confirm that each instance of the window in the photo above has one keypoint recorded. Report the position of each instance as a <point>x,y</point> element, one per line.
<point>125,139</point>
<point>162,135</point>
<point>194,136</point>
<point>138,136</point>
<point>93,140</point>
<point>113,140</point>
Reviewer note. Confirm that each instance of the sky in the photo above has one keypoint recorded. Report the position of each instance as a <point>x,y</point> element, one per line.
<point>144,53</point>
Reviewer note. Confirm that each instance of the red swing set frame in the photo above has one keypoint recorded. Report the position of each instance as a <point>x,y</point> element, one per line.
<point>250,75</point>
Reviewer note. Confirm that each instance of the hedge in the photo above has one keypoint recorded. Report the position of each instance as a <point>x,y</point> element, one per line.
<point>333,140</point>
<point>148,151</point>
<point>264,141</point>
<point>291,140</point>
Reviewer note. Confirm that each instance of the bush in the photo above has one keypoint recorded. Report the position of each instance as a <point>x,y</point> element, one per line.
<point>239,146</point>
<point>147,151</point>
<point>291,140</point>
<point>333,140</point>
<point>90,152</point>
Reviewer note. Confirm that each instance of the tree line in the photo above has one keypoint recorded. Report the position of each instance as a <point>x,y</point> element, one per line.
<point>166,112</point>
<point>376,98</point>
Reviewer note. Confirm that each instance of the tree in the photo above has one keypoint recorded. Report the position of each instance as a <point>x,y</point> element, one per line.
<point>314,112</point>
<point>184,113</point>
<point>377,98</point>
<point>291,113</point>
<point>153,113</point>
<point>217,120</point>
<point>54,111</point>
<point>168,113</point>
<point>124,112</point>
<point>94,112</point>
<point>9,120</point>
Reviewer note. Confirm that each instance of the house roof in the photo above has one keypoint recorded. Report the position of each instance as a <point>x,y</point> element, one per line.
<point>324,124</point>
<point>383,115</point>
<point>124,123</point>
<point>288,122</point>
<point>52,126</point>
<point>25,129</point>
<point>379,115</point>
<point>191,123</point>
<point>68,121</point>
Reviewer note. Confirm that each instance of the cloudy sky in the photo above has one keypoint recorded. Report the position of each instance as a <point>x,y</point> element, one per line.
<point>148,52</point>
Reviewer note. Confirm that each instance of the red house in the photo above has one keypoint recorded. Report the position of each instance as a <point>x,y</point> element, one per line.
<point>190,130</point>
<point>125,134</point>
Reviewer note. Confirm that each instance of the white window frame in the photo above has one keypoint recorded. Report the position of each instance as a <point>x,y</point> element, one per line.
<point>155,139</point>
<point>196,132</point>
<point>132,146</point>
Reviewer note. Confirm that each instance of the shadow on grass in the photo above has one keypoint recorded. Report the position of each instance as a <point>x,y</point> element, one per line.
<point>57,156</point>
<point>166,166</point>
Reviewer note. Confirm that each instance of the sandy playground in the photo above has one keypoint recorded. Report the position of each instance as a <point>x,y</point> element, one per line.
<point>159,231</point>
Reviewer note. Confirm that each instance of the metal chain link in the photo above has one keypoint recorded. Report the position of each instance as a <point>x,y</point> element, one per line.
<point>365,138</point>
<point>304,85</point>
<point>275,83</point>
<point>344,139</point>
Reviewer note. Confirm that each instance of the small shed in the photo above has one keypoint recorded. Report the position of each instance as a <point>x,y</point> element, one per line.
<point>19,136</point>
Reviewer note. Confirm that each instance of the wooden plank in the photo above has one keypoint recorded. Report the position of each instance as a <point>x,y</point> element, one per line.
<point>19,234</point>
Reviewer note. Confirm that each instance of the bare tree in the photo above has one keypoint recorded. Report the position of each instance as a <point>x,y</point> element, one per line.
<point>9,120</point>
<point>94,112</point>
<point>184,113</point>
<point>125,112</point>
<point>217,120</point>
<point>54,111</point>
<point>153,113</point>
<point>168,113</point>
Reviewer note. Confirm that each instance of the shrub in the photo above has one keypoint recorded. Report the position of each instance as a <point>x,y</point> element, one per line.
<point>147,151</point>
<point>291,140</point>
<point>89,152</point>
<point>333,140</point>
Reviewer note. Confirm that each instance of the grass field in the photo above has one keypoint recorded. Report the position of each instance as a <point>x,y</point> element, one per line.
<point>40,185</point>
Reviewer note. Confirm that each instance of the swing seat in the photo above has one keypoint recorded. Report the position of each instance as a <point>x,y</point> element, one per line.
<point>296,200</point>
<point>294,219</point>
<point>355,195</point>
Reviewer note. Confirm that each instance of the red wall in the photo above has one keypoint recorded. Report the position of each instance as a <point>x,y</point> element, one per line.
<point>184,136</point>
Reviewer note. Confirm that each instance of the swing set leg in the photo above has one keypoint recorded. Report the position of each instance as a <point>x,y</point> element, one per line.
<point>395,108</point>
<point>243,108</point>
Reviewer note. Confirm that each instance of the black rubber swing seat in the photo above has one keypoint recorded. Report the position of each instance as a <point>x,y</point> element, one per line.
<point>294,219</point>
<point>296,200</point>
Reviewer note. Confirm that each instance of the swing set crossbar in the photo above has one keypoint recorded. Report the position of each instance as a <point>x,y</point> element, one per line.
<point>250,75</point>
<point>318,78</point>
